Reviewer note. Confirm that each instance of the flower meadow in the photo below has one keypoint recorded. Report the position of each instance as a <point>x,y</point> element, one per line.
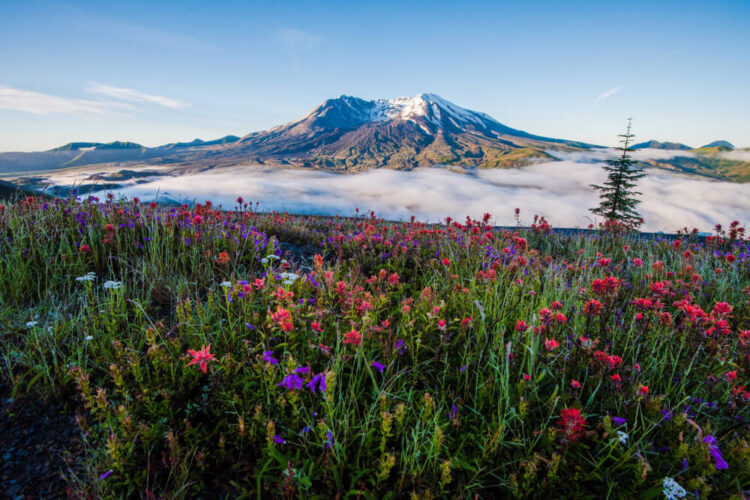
<point>212,353</point>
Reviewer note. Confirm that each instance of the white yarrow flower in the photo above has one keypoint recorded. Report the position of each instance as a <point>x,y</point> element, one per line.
<point>31,324</point>
<point>264,261</point>
<point>672,489</point>
<point>622,437</point>
<point>226,284</point>
<point>112,285</point>
<point>89,338</point>
<point>87,277</point>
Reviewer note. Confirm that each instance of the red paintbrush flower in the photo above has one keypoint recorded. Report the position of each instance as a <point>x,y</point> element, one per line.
<point>571,424</point>
<point>202,357</point>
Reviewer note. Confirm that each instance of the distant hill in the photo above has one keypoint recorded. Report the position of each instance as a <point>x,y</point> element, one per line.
<point>722,144</point>
<point>661,145</point>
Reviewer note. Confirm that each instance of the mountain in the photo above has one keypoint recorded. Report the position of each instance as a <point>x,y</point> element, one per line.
<point>719,144</point>
<point>349,134</point>
<point>344,134</point>
<point>661,145</point>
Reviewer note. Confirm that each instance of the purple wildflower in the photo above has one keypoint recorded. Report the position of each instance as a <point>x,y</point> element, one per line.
<point>250,326</point>
<point>278,439</point>
<point>302,369</point>
<point>379,366</point>
<point>619,421</point>
<point>713,448</point>
<point>320,381</point>
<point>268,357</point>
<point>329,440</point>
<point>462,369</point>
<point>105,475</point>
<point>667,414</point>
<point>291,382</point>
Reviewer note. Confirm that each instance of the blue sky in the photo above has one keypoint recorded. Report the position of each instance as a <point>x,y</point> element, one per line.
<point>156,72</point>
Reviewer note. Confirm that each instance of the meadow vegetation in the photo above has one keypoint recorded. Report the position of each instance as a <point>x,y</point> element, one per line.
<point>378,358</point>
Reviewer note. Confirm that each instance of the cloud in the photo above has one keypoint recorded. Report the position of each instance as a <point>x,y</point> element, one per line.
<point>293,40</point>
<point>131,95</point>
<point>737,155</point>
<point>607,94</point>
<point>558,190</point>
<point>38,103</point>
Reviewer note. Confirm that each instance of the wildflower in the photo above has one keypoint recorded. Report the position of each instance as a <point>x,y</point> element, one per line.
<point>521,326</point>
<point>202,357</point>
<point>672,490</point>
<point>225,284</point>
<point>258,283</point>
<point>616,378</point>
<point>278,439</point>
<point>112,285</point>
<point>643,391</point>
<point>379,366</point>
<point>319,380</point>
<point>291,382</point>
<point>622,437</point>
<point>551,344</point>
<point>713,448</point>
<point>575,384</point>
<point>223,258</point>
<point>731,375</point>
<point>31,324</point>
<point>91,276</point>
<point>283,318</point>
<point>526,377</point>
<point>105,475</point>
<point>571,424</point>
<point>88,338</point>
<point>84,249</point>
<point>353,337</point>
<point>446,262</point>
<point>329,439</point>
<point>268,357</point>
<point>441,324</point>
<point>619,421</point>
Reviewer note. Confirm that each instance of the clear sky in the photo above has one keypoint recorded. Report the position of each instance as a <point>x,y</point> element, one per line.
<point>161,71</point>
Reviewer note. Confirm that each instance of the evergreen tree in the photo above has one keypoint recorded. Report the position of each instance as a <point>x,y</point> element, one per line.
<point>618,200</point>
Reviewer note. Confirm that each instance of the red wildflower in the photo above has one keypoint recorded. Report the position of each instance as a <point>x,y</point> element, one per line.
<point>283,318</point>
<point>571,424</point>
<point>446,262</point>
<point>353,337</point>
<point>551,344</point>
<point>85,249</point>
<point>643,391</point>
<point>223,258</point>
<point>575,384</point>
<point>521,326</point>
<point>202,357</point>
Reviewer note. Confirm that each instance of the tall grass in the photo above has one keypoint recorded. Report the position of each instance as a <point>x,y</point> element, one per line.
<point>416,360</point>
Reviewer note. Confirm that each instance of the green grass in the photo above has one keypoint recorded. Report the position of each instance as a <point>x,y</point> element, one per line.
<point>469,401</point>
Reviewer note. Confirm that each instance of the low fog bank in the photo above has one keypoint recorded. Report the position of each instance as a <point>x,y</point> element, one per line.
<point>558,190</point>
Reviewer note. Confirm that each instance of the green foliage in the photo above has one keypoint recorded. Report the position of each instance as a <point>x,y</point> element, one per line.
<point>618,199</point>
<point>403,360</point>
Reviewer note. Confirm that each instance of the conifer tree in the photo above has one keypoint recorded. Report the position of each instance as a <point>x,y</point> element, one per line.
<point>618,199</point>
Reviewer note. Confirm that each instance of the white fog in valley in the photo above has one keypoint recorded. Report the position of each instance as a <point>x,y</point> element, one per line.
<point>558,190</point>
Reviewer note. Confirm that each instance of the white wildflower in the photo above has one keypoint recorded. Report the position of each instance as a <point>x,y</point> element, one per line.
<point>31,324</point>
<point>623,437</point>
<point>672,489</point>
<point>289,278</point>
<point>264,261</point>
<point>90,276</point>
<point>272,256</point>
<point>226,284</point>
<point>89,338</point>
<point>112,285</point>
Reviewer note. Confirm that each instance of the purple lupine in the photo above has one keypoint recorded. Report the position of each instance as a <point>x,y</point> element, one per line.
<point>291,382</point>
<point>713,448</point>
<point>320,381</point>
<point>268,357</point>
<point>302,369</point>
